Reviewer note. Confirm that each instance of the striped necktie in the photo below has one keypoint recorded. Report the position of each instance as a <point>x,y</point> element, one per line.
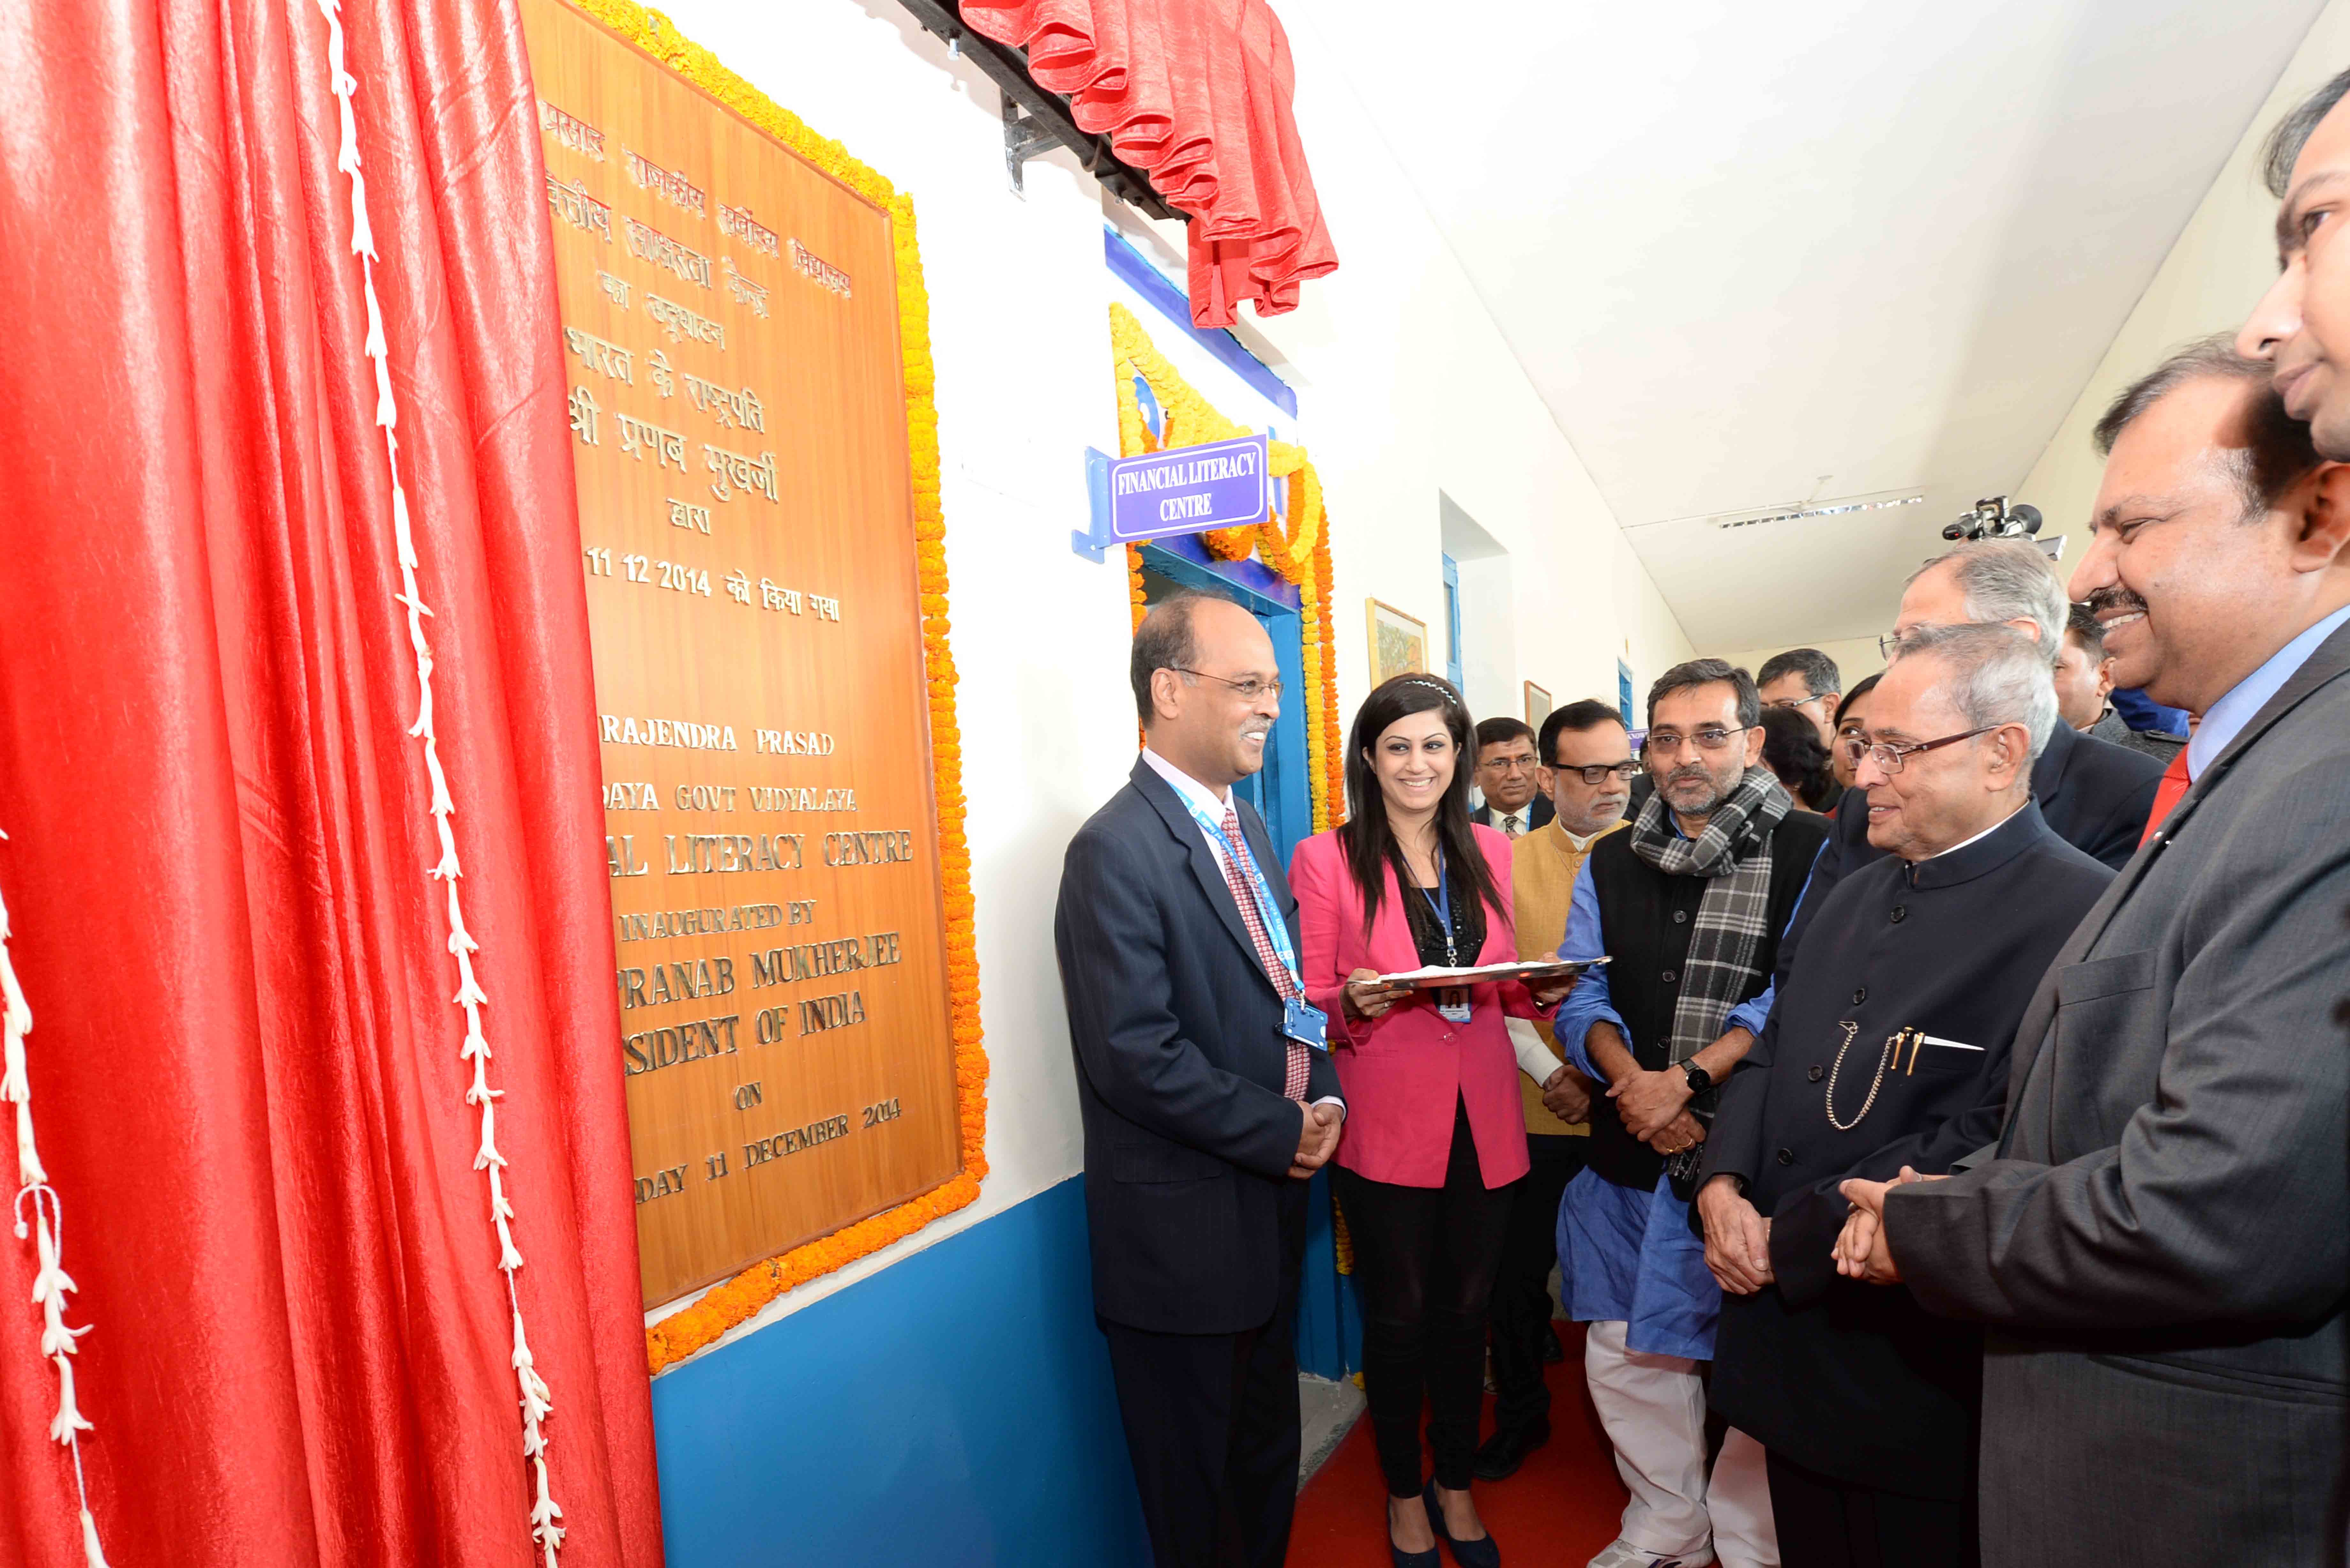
<point>1237,854</point>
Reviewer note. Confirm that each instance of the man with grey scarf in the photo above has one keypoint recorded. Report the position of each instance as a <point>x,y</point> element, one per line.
<point>1688,906</point>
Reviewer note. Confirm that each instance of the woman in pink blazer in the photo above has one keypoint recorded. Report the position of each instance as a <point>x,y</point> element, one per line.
<point>1435,1132</point>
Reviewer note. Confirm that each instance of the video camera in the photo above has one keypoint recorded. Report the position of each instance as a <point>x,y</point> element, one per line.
<point>1993,518</point>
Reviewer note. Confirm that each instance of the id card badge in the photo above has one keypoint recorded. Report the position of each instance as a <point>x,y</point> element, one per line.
<point>1305,1024</point>
<point>1452,1004</point>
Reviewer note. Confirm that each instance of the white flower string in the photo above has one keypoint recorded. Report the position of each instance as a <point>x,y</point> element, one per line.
<point>51,1283</point>
<point>535,1400</point>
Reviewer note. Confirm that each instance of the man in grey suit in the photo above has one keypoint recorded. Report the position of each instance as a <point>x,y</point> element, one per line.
<point>2161,1240</point>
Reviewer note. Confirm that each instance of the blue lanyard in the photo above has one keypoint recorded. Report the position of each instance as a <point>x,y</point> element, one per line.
<point>1441,902</point>
<point>1275,927</point>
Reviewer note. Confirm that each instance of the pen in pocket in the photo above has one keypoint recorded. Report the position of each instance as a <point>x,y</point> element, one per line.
<point>1918,1038</point>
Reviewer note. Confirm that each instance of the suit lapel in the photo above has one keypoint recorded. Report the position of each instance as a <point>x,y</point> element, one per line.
<point>1204,869</point>
<point>2327,663</point>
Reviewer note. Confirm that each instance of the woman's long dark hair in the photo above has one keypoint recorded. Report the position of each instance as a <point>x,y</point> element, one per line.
<point>1369,844</point>
<point>1791,750</point>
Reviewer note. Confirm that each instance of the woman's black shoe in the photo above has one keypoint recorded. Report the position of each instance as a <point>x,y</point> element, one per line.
<point>1468,1553</point>
<point>1428,1559</point>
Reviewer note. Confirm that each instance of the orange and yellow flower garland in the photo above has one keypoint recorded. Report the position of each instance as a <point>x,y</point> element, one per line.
<point>681,1333</point>
<point>1294,541</point>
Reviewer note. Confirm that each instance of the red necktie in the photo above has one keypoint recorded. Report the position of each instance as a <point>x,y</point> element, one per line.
<point>2166,793</point>
<point>1297,1069</point>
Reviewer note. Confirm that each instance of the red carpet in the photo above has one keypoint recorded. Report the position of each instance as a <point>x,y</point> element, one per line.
<point>1557,1511</point>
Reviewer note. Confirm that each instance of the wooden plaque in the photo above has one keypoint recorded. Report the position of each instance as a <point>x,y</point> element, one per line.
<point>730,317</point>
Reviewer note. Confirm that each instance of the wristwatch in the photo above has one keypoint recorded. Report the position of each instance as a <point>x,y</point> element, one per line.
<point>1700,1080</point>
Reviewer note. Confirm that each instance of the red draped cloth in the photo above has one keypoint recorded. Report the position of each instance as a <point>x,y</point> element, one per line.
<point>243,1060</point>
<point>1196,94</point>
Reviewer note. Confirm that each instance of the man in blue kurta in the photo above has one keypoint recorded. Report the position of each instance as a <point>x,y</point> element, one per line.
<point>1688,906</point>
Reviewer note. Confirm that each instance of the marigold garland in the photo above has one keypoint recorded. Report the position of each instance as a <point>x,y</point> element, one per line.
<point>723,1306</point>
<point>1294,540</point>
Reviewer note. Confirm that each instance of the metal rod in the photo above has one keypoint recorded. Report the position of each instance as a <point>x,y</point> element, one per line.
<point>1008,70</point>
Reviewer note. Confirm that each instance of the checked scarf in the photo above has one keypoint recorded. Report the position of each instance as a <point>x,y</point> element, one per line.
<point>1733,919</point>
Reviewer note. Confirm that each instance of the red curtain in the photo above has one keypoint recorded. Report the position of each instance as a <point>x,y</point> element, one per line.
<point>1196,95</point>
<point>244,1059</point>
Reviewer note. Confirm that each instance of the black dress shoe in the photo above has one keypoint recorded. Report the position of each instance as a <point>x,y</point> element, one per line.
<point>1481,1553</point>
<point>1501,1455</point>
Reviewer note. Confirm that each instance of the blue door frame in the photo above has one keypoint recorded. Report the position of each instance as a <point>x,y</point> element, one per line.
<point>1329,1324</point>
<point>1451,620</point>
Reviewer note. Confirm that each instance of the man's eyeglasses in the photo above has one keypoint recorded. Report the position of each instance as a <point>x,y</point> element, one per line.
<point>1249,689</point>
<point>1889,643</point>
<point>1888,755</point>
<point>1600,772</point>
<point>1707,740</point>
<point>1510,764</point>
<point>1794,702</point>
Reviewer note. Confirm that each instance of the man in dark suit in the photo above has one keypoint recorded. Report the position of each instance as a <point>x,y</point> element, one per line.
<point>2160,1240</point>
<point>2094,796</point>
<point>1507,763</point>
<point>2084,687</point>
<point>1207,1098</point>
<point>1888,1048</point>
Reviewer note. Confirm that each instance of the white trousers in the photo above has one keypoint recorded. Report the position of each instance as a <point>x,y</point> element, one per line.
<point>1654,1409</point>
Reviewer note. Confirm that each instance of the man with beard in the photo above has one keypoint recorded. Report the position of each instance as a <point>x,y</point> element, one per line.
<point>1688,905</point>
<point>1889,1047</point>
<point>2161,1240</point>
<point>1586,772</point>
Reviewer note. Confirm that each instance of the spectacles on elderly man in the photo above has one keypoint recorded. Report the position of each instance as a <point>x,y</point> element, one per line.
<point>1710,739</point>
<point>1249,689</point>
<point>1600,772</point>
<point>1888,755</point>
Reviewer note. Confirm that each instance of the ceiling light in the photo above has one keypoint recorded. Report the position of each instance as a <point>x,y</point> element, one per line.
<point>1822,512</point>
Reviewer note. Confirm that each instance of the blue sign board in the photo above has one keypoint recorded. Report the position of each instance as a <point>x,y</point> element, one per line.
<point>1184,490</point>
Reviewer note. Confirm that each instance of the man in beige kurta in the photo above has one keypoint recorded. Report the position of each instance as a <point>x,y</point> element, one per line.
<point>1587,773</point>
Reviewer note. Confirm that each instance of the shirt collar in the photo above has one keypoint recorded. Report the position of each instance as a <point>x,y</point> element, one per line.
<point>2226,718</point>
<point>1184,784</point>
<point>1582,842</point>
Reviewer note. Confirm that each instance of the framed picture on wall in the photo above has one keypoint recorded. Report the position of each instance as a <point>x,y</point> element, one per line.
<point>1398,643</point>
<point>1538,706</point>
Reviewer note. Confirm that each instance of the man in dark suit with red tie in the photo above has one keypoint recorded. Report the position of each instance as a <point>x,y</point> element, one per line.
<point>1207,1095</point>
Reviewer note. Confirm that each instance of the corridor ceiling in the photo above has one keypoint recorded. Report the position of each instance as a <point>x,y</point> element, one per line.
<point>1741,247</point>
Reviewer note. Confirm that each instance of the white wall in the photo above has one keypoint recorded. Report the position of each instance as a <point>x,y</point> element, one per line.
<point>1404,386</point>
<point>2223,260</point>
<point>1856,658</point>
<point>2218,266</point>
